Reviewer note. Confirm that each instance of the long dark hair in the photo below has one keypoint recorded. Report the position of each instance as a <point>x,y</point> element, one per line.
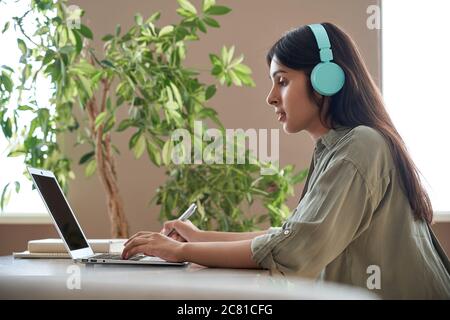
<point>358,103</point>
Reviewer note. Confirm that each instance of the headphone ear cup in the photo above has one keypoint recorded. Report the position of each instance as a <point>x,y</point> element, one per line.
<point>327,78</point>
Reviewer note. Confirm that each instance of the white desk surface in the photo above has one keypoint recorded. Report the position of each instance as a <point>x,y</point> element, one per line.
<point>49,278</point>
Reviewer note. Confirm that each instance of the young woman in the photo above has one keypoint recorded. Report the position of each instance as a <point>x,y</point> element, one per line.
<point>364,216</point>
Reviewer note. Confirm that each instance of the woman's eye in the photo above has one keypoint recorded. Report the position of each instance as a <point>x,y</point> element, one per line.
<point>282,82</point>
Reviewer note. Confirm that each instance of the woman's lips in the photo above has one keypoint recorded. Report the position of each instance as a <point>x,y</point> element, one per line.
<point>281,116</point>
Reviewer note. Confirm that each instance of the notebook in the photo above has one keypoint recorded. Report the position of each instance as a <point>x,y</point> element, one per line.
<point>54,248</point>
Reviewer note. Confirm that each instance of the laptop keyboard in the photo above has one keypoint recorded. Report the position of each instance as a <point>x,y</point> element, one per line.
<point>117,257</point>
<point>109,256</point>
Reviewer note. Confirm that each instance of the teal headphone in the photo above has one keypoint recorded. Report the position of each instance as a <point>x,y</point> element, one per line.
<point>327,78</point>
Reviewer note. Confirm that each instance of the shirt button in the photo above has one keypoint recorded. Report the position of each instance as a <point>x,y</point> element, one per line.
<point>286,232</point>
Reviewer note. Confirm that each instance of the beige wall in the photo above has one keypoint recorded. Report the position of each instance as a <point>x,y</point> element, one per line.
<point>252,26</point>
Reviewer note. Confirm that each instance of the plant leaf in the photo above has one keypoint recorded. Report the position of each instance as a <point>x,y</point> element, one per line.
<point>217,10</point>
<point>100,119</point>
<point>165,31</point>
<point>153,153</point>
<point>67,49</point>
<point>167,152</point>
<point>139,148</point>
<point>299,176</point>
<point>176,93</point>
<point>125,124</point>
<point>22,46</point>
<point>215,60</point>
<point>186,5</point>
<point>49,54</point>
<point>211,22</point>
<point>201,26</point>
<point>207,4</point>
<point>17,186</point>
<point>138,19</point>
<point>107,63</point>
<point>7,128</point>
<point>86,85</point>
<point>86,157</point>
<point>107,37</point>
<point>210,92</point>
<point>7,82</point>
<point>5,197</point>
<point>85,31</point>
<point>90,168</point>
<point>5,27</point>
<point>154,17</point>
<point>24,108</point>
<point>242,68</point>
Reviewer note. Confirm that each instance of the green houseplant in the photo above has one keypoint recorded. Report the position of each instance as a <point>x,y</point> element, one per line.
<point>142,70</point>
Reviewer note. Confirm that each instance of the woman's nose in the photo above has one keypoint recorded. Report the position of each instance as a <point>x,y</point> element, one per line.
<point>272,99</point>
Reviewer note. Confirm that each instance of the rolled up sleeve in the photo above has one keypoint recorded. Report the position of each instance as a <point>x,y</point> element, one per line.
<point>336,209</point>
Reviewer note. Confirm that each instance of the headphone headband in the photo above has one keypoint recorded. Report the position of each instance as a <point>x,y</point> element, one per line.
<point>323,42</point>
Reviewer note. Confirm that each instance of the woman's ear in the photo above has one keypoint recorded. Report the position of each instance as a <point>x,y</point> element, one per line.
<point>320,100</point>
<point>318,97</point>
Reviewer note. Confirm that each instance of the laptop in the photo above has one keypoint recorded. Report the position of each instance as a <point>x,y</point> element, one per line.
<point>70,230</point>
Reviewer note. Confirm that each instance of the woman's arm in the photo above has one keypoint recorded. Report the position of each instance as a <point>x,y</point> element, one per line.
<point>229,254</point>
<point>186,231</point>
<point>218,236</point>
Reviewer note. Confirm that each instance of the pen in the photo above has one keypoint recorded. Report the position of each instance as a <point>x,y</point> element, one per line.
<point>186,215</point>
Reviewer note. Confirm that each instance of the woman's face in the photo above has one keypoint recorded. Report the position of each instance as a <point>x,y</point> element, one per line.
<point>294,107</point>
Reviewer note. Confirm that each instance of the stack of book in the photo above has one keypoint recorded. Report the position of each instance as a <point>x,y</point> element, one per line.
<point>54,248</point>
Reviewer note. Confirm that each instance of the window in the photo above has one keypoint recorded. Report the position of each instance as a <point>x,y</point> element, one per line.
<point>416,70</point>
<point>27,201</point>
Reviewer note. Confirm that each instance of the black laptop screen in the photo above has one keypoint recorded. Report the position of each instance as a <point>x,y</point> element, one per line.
<point>61,212</point>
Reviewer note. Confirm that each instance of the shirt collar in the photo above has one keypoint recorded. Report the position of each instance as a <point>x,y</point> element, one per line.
<point>330,138</point>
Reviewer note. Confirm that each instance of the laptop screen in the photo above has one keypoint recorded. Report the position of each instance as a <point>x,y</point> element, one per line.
<point>59,209</point>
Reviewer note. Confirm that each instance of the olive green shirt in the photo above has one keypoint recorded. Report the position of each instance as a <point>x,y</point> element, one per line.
<point>355,225</point>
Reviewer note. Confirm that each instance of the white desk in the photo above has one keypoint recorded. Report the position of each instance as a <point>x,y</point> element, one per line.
<point>48,279</point>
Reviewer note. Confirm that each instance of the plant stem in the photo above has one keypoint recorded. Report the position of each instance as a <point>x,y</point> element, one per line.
<point>106,167</point>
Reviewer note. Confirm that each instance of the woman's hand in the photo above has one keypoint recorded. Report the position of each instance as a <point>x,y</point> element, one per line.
<point>184,231</point>
<point>153,244</point>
